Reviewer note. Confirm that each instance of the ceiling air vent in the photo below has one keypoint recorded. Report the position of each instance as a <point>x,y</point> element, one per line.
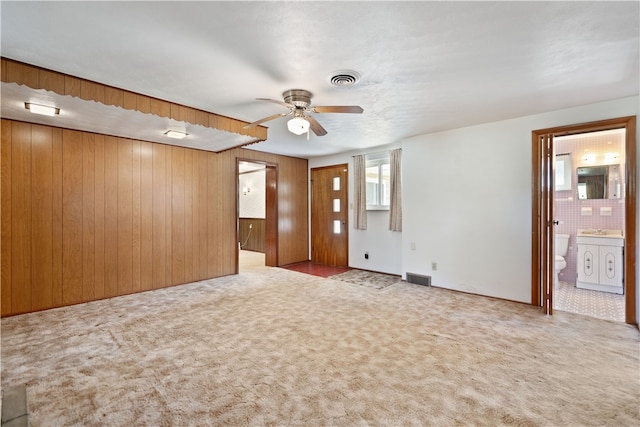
<point>344,78</point>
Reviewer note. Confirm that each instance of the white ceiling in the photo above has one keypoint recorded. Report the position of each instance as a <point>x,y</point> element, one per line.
<point>424,66</point>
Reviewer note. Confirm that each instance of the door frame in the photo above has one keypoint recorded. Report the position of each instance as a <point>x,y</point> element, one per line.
<point>271,211</point>
<point>538,244</point>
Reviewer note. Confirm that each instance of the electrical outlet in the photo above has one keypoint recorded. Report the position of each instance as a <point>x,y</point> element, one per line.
<point>366,255</point>
<point>434,266</point>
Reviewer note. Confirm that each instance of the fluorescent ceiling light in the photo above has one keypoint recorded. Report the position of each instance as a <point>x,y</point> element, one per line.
<point>41,109</point>
<point>175,134</point>
<point>298,125</point>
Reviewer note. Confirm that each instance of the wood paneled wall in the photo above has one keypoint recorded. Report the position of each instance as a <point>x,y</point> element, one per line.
<point>251,234</point>
<point>87,216</point>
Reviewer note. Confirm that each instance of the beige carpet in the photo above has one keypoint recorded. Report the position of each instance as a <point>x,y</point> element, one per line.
<point>276,347</point>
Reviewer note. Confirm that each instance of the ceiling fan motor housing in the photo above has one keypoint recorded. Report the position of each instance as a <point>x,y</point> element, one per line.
<point>299,97</point>
<point>298,102</point>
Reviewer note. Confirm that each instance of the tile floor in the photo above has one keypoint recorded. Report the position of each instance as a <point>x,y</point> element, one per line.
<point>316,269</point>
<point>248,260</point>
<point>603,305</point>
<point>15,412</point>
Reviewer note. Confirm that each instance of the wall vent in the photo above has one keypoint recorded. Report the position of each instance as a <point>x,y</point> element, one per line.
<point>419,279</point>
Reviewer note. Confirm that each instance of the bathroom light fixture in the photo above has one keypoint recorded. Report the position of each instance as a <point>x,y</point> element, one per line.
<point>175,134</point>
<point>298,125</point>
<point>41,109</point>
<point>610,157</point>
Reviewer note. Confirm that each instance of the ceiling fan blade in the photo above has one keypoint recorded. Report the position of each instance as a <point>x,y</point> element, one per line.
<point>266,119</point>
<point>284,104</point>
<point>338,109</point>
<point>315,126</point>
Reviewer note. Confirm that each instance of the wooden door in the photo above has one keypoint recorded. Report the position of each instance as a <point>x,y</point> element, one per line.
<point>543,262</point>
<point>329,216</point>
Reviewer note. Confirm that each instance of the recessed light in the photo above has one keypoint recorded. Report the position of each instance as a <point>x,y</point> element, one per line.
<point>41,109</point>
<point>176,134</point>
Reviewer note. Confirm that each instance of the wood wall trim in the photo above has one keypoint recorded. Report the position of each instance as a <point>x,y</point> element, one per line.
<point>64,84</point>
<point>630,220</point>
<point>536,187</point>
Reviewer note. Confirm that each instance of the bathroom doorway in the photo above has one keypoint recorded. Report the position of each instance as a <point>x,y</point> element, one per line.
<point>589,237</point>
<point>552,202</point>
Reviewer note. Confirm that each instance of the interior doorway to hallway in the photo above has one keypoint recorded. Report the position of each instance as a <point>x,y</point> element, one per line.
<point>257,214</point>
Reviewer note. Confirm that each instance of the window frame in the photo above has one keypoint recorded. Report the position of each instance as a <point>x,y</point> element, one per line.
<point>379,160</point>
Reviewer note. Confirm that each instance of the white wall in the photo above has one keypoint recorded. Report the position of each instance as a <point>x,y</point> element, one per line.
<point>467,204</point>
<point>252,204</point>
<point>384,246</point>
<point>467,201</point>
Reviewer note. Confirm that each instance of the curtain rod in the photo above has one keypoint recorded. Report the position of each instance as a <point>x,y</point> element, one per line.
<point>378,152</point>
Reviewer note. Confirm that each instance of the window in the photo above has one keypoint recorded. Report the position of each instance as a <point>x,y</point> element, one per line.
<point>563,172</point>
<point>378,181</point>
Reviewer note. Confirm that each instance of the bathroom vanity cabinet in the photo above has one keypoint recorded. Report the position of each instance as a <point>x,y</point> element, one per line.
<point>600,262</point>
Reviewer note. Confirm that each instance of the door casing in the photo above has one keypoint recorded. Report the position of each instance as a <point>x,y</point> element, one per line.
<point>271,211</point>
<point>541,265</point>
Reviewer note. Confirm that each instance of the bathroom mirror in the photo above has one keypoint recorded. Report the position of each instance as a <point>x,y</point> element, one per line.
<point>598,182</point>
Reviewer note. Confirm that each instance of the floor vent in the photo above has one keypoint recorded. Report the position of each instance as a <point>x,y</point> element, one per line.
<point>419,279</point>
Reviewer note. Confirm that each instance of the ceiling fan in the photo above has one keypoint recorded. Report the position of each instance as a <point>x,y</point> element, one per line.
<point>298,101</point>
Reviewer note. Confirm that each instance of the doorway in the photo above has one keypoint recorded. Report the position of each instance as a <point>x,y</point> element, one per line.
<point>589,208</point>
<point>257,214</point>
<point>329,216</point>
<point>544,216</point>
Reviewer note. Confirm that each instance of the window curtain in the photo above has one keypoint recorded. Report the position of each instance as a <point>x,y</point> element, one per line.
<point>360,193</point>
<point>395,209</point>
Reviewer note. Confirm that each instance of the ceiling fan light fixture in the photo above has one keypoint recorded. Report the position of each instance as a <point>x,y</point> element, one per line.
<point>298,125</point>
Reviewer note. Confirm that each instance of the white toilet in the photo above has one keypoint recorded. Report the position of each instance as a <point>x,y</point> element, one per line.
<point>561,245</point>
